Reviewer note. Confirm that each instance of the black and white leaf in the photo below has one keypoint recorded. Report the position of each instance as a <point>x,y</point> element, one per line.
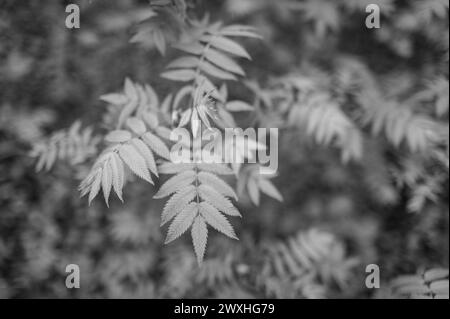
<point>176,203</point>
<point>210,195</point>
<point>182,222</point>
<point>199,233</point>
<point>135,162</point>
<point>216,220</point>
<point>176,183</point>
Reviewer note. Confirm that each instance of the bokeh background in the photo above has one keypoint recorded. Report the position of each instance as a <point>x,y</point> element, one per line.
<point>389,208</point>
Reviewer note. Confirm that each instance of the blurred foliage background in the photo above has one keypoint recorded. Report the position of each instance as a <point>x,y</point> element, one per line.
<point>389,208</point>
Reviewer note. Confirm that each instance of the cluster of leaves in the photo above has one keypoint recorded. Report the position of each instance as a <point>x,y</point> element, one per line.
<point>310,107</point>
<point>380,97</point>
<point>345,108</point>
<point>198,196</point>
<point>430,284</point>
<point>311,264</point>
<point>133,148</point>
<point>74,145</point>
<point>305,264</point>
<point>199,199</point>
<point>162,24</point>
<point>254,183</point>
<point>305,103</point>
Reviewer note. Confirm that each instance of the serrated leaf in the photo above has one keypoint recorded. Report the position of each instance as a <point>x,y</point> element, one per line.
<point>118,175</point>
<point>227,45</point>
<point>182,75</point>
<point>104,156</point>
<point>85,185</point>
<point>216,220</point>
<point>127,110</point>
<point>95,186</point>
<point>156,144</point>
<point>223,61</point>
<point>143,149</point>
<point>175,183</point>
<point>135,162</point>
<point>217,183</point>
<point>136,125</point>
<point>106,181</point>
<point>182,222</point>
<point>210,195</point>
<point>269,189</point>
<point>118,136</point>
<point>176,203</point>
<point>199,233</point>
